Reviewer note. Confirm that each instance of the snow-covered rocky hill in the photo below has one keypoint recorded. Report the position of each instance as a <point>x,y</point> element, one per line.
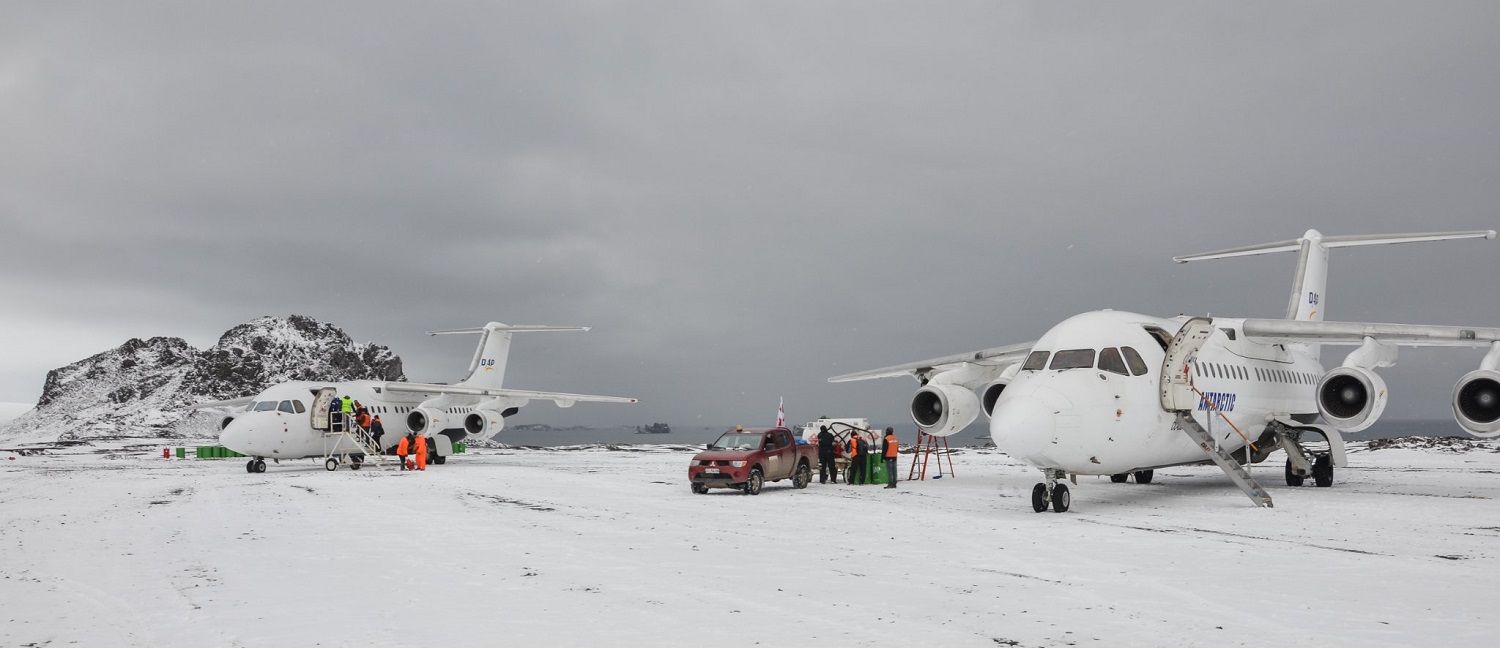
<point>142,388</point>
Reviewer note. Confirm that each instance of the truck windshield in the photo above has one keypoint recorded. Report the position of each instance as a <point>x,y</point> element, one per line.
<point>737,441</point>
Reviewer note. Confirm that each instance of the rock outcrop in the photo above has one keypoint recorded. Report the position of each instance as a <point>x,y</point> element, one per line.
<point>143,387</point>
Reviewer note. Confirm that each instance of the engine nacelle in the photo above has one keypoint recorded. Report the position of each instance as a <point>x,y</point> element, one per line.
<point>484,423</point>
<point>423,420</point>
<point>1476,403</point>
<point>942,410</point>
<point>1351,398</point>
<point>991,395</point>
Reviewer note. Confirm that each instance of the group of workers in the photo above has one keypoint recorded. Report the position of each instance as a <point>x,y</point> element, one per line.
<point>343,410</point>
<point>856,448</point>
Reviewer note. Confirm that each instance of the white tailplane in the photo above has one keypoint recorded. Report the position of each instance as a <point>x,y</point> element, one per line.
<point>487,369</point>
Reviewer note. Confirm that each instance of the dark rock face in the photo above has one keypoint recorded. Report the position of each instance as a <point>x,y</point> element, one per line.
<point>143,387</point>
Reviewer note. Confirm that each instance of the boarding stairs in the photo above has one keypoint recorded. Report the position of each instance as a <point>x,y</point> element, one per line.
<point>1181,397</point>
<point>345,439</point>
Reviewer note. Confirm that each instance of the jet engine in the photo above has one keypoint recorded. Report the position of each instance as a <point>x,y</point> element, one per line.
<point>421,420</point>
<point>991,394</point>
<point>1476,403</point>
<point>484,423</point>
<point>1351,398</point>
<point>942,410</point>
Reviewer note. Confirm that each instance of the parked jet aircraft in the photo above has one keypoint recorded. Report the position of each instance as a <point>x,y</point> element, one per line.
<point>1115,393</point>
<point>291,420</point>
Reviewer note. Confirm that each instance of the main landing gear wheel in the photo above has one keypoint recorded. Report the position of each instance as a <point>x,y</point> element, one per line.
<point>803,477</point>
<point>258,466</point>
<point>1293,479</point>
<point>1323,471</point>
<point>699,489</point>
<point>1039,498</point>
<point>331,465</point>
<point>755,482</point>
<point>1144,476</point>
<point>1061,498</point>
<point>354,464</point>
<point>440,460</point>
<point>1120,478</point>
<point>250,466</point>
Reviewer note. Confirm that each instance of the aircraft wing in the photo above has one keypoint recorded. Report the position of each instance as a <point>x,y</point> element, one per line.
<point>1354,333</point>
<point>995,357</point>
<point>224,404</point>
<point>561,399</point>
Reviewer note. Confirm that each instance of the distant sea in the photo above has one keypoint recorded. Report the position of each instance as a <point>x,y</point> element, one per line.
<point>976,435</point>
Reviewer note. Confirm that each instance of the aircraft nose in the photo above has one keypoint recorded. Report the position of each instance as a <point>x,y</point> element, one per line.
<point>236,436</point>
<point>1026,425</point>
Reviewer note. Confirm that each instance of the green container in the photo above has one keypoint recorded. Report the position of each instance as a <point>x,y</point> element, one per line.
<point>459,448</point>
<point>216,452</point>
<point>182,453</point>
<point>876,469</point>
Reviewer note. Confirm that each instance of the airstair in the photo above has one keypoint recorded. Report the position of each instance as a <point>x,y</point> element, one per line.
<point>346,442</point>
<point>1178,395</point>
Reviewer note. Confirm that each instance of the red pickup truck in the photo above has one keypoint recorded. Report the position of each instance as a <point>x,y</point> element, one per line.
<point>747,459</point>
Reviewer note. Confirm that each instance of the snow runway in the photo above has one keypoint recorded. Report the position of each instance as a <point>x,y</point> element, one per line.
<point>110,545</point>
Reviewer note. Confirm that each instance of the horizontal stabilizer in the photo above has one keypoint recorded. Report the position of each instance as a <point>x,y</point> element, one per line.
<point>508,329</point>
<point>1335,242</point>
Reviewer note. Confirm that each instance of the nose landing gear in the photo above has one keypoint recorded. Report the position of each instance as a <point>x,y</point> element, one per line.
<point>256,465</point>
<point>1051,493</point>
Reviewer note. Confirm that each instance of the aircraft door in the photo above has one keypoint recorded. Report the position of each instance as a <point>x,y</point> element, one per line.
<point>1176,380</point>
<point>321,399</point>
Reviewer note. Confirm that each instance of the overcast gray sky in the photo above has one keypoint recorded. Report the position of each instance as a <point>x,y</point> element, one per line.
<point>742,198</point>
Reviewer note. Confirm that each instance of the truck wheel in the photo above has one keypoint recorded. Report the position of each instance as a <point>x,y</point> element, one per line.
<point>803,477</point>
<point>755,482</point>
<point>699,489</point>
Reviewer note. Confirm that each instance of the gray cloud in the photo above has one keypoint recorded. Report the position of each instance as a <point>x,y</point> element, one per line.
<point>743,198</point>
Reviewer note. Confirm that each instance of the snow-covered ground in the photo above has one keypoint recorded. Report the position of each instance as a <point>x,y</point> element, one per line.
<point>111,545</point>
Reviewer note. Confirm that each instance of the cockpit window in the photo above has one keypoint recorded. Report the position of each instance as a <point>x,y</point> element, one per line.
<point>265,406</point>
<point>1073,359</point>
<point>300,407</point>
<point>286,406</point>
<point>1109,360</point>
<point>1037,361</point>
<point>1137,365</point>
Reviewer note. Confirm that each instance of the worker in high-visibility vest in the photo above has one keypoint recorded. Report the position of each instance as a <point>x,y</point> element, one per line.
<point>892,446</point>
<point>856,460</point>
<point>403,447</point>
<point>421,453</point>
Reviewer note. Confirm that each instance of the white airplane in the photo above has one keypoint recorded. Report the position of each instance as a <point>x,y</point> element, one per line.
<point>1115,393</point>
<point>291,420</point>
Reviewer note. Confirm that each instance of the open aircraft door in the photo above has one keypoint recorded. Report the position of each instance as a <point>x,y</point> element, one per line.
<point>1177,393</point>
<point>321,399</point>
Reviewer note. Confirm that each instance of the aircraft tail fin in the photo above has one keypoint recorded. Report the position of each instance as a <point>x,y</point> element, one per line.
<point>1311,280</point>
<point>487,369</point>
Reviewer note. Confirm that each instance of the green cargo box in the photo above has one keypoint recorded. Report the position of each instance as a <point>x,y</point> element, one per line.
<point>876,470</point>
<point>459,448</point>
<point>182,453</point>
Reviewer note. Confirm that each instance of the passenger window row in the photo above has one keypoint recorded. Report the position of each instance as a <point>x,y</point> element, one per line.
<point>1237,372</point>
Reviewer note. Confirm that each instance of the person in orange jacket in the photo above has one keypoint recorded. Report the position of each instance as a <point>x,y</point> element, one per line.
<point>892,446</point>
<point>857,460</point>
<point>402,448</point>
<point>421,453</point>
